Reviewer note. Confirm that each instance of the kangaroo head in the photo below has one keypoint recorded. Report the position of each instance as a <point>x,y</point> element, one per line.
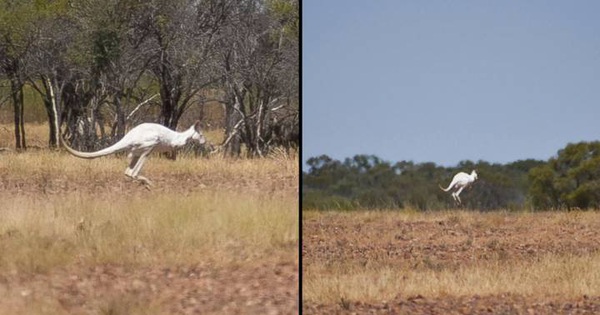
<point>474,174</point>
<point>198,136</point>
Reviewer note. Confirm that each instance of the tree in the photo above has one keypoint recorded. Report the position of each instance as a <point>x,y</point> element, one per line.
<point>47,71</point>
<point>101,63</point>
<point>180,37</point>
<point>104,68</point>
<point>569,180</point>
<point>259,66</point>
<point>17,33</point>
<point>367,182</point>
<point>120,59</point>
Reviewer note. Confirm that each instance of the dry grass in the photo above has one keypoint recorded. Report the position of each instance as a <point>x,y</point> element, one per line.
<point>44,165</point>
<point>63,216</point>
<point>212,228</point>
<point>58,163</point>
<point>538,255</point>
<point>37,135</point>
<point>70,209</point>
<point>550,276</point>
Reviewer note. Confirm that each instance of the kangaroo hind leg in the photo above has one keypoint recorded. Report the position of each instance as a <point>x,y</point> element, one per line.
<point>458,193</point>
<point>138,167</point>
<point>132,163</point>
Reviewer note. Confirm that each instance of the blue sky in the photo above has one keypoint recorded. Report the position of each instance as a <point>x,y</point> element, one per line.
<point>446,81</point>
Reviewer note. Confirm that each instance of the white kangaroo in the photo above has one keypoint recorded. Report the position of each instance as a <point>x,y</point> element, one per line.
<point>142,140</point>
<point>460,181</point>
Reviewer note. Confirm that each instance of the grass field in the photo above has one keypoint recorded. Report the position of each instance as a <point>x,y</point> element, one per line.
<point>213,236</point>
<point>451,262</point>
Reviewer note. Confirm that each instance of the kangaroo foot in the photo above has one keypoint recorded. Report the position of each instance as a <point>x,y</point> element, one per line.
<point>145,181</point>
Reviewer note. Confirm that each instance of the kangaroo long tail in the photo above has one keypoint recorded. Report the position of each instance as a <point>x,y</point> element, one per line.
<point>92,155</point>
<point>449,186</point>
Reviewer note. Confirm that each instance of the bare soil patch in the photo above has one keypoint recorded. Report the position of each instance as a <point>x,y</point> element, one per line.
<point>444,243</point>
<point>269,288</point>
<point>491,304</point>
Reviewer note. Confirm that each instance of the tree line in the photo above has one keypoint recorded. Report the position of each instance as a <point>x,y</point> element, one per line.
<point>569,180</point>
<point>101,66</point>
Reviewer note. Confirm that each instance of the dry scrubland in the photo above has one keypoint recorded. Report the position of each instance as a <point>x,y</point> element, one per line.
<point>451,262</point>
<point>214,235</point>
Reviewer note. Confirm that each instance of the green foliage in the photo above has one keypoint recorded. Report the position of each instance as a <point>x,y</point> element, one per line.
<point>106,48</point>
<point>103,62</point>
<point>21,20</point>
<point>286,12</point>
<point>16,25</point>
<point>35,113</point>
<point>569,180</point>
<point>367,182</point>
<point>317,199</point>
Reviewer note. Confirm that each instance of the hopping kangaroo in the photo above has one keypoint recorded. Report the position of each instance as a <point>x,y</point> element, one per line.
<point>460,181</point>
<point>142,140</point>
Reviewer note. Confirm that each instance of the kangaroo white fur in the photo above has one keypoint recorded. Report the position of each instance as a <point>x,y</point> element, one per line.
<point>460,181</point>
<point>142,140</point>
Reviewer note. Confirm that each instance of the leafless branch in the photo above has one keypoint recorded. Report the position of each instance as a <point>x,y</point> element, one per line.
<point>140,105</point>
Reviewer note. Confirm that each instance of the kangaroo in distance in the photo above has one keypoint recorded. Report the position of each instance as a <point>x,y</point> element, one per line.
<point>460,181</point>
<point>142,140</point>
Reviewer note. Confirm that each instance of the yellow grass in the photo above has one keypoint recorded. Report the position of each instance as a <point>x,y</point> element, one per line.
<point>37,234</point>
<point>60,163</point>
<point>46,165</point>
<point>37,135</point>
<point>227,210</point>
<point>376,279</point>
<point>62,213</point>
<point>553,275</point>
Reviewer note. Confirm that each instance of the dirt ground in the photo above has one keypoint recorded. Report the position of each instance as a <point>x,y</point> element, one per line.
<point>496,304</point>
<point>112,289</point>
<point>447,242</point>
<point>269,286</point>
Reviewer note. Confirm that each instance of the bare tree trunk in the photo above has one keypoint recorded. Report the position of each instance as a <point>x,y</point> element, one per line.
<point>51,100</point>
<point>170,93</point>
<point>52,111</point>
<point>119,129</point>
<point>16,87</point>
<point>259,142</point>
<point>232,125</point>
<point>98,120</point>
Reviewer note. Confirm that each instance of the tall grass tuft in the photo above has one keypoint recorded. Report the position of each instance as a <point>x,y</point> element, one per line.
<point>39,234</point>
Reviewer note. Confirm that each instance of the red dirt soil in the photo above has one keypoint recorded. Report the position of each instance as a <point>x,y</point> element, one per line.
<point>448,242</point>
<point>265,289</point>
